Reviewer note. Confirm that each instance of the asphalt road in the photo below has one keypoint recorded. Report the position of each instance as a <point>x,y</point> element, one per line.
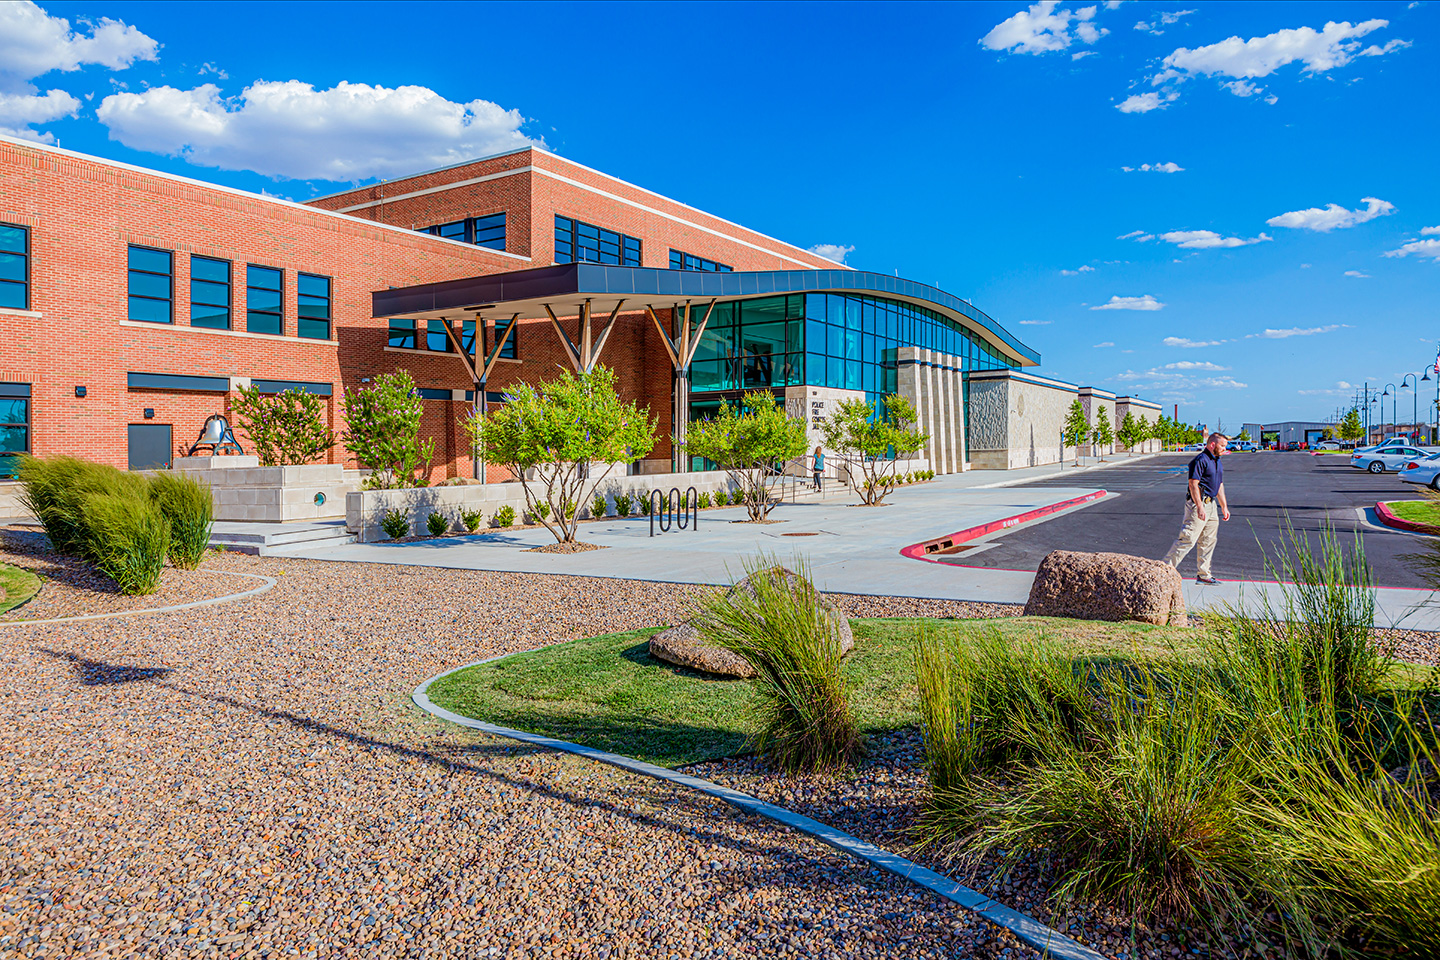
<point>1263,490</point>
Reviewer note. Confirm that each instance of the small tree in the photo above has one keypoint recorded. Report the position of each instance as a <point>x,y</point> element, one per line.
<point>1351,428</point>
<point>382,430</point>
<point>1077,428</point>
<point>549,435</point>
<point>864,440</point>
<point>1129,432</point>
<point>747,443</point>
<point>285,429</point>
<point>1103,435</point>
<point>1244,434</point>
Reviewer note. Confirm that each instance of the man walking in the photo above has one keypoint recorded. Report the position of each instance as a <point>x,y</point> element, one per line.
<point>1205,507</point>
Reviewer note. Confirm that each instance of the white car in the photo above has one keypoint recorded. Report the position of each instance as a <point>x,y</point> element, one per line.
<point>1389,458</point>
<point>1329,445</point>
<point>1425,471</point>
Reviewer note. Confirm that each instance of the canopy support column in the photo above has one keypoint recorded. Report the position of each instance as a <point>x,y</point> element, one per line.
<point>585,355</point>
<point>681,350</point>
<point>479,373</point>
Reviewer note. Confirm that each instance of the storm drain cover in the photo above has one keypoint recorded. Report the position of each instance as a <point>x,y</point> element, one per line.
<point>811,534</point>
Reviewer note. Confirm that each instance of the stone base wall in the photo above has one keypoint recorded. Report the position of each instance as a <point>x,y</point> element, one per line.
<point>1015,421</point>
<point>933,382</point>
<point>247,492</point>
<point>10,505</point>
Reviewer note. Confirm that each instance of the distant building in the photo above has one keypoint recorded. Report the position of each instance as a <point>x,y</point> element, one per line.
<point>1288,431</point>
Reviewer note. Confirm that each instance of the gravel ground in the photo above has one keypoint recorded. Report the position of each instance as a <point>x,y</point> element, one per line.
<point>250,780</point>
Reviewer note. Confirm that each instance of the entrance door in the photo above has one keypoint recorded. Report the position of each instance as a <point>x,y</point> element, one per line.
<point>149,446</point>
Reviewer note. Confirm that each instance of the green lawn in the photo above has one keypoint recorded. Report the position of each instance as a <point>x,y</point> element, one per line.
<point>609,693</point>
<point>1416,511</point>
<point>20,585</point>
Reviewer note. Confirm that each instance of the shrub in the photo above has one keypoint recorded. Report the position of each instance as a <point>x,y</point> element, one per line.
<point>643,505</point>
<point>471,519</point>
<point>622,505</point>
<point>383,432</point>
<point>599,508</point>
<point>286,428</point>
<point>190,509</point>
<point>778,623</point>
<point>437,524</point>
<point>722,498</point>
<point>570,506</point>
<point>541,510</point>
<point>128,538</point>
<point>55,492</point>
<point>395,524</point>
<point>704,501</point>
<point>505,516</point>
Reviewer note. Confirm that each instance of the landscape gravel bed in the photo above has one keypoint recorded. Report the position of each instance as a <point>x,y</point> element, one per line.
<point>250,780</point>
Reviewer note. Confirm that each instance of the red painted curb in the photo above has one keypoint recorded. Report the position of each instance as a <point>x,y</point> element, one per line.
<point>1388,518</point>
<point>923,550</point>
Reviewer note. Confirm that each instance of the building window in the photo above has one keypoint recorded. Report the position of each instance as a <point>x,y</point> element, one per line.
<point>152,286</point>
<point>264,295</point>
<point>14,267</point>
<point>209,293</point>
<point>435,338</point>
<point>586,243</point>
<point>509,353</point>
<point>486,231</point>
<point>402,333</point>
<point>313,296</point>
<point>680,260</point>
<point>14,426</point>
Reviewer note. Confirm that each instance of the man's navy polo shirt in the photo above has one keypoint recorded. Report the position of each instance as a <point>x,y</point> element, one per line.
<point>1207,469</point>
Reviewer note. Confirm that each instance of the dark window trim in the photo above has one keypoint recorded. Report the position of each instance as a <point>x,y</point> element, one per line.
<point>279,315</point>
<point>470,229</point>
<point>433,393</point>
<point>173,381</point>
<point>304,386</point>
<point>329,304</point>
<point>623,242</point>
<point>26,254</point>
<point>391,331</point>
<point>512,347</point>
<point>168,301</point>
<point>229,291</point>
<point>14,390</point>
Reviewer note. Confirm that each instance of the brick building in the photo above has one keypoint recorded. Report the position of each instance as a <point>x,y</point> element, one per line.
<point>134,303</point>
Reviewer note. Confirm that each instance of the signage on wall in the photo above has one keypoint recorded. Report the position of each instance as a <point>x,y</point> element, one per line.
<point>817,413</point>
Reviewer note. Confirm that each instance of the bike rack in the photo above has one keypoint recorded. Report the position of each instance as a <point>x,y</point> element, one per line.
<point>672,509</point>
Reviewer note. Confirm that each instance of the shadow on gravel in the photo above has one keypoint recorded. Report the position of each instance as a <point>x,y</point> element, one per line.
<point>97,673</point>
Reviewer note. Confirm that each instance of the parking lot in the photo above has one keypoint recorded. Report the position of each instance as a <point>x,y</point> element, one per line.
<point>1263,490</point>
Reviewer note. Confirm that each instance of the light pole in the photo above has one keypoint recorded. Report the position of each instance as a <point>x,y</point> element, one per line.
<point>1369,420</point>
<point>1414,400</point>
<point>1393,396</point>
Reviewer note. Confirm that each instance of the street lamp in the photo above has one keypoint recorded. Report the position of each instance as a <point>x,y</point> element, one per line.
<point>1395,420</point>
<point>1370,419</point>
<point>1414,400</point>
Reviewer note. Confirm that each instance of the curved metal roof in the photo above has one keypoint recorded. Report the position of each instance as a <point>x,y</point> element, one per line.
<point>527,291</point>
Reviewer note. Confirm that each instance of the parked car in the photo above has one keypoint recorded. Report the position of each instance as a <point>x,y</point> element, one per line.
<point>1245,446</point>
<point>1192,448</point>
<point>1329,445</point>
<point>1389,458</point>
<point>1426,471</point>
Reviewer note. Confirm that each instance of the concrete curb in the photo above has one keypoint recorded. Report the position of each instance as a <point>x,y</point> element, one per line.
<point>926,548</point>
<point>269,582</point>
<point>1050,942</point>
<point>1388,517</point>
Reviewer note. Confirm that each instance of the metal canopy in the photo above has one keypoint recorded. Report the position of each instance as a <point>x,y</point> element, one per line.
<point>565,290</point>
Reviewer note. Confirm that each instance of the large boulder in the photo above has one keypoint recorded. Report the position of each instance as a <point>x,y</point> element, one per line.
<point>1107,586</point>
<point>683,646</point>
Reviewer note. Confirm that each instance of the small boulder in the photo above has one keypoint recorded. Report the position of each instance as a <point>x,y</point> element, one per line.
<point>683,646</point>
<point>1107,586</point>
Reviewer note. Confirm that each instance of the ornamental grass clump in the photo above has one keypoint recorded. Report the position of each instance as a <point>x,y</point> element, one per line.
<point>190,509</point>
<point>127,539</point>
<point>777,621</point>
<point>55,492</point>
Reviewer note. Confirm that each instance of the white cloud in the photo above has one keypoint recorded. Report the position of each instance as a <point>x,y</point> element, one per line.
<point>1207,239</point>
<point>1188,343</point>
<point>1429,231</point>
<point>1358,274</point>
<point>1043,29</point>
<point>1341,389</point>
<point>19,111</point>
<point>1269,334</point>
<point>1139,236</point>
<point>288,129</point>
<point>1333,46</point>
<point>1242,88</point>
<point>832,251</point>
<point>1145,102</point>
<point>1194,365</point>
<point>1107,343</point>
<point>1086,268</point>
<point>1169,167</point>
<point>33,43</point>
<point>1164,20</point>
<point>1082,54</point>
<point>1036,323</point>
<point>1171,379</point>
<point>1425,249</point>
<point>1332,216</point>
<point>1147,302</point>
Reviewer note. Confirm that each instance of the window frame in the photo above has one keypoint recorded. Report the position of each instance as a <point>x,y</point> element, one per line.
<point>279,315</point>
<point>25,256</point>
<point>130,272</point>
<point>300,319</point>
<point>697,264</point>
<point>512,348</point>
<point>229,293</point>
<point>402,332</point>
<point>603,238</point>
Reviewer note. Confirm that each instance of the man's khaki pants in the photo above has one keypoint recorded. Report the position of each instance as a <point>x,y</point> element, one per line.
<point>1197,533</point>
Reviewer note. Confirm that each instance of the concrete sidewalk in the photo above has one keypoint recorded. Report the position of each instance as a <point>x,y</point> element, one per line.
<point>850,549</point>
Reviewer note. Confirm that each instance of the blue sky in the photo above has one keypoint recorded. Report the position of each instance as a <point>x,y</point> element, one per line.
<point>1233,207</point>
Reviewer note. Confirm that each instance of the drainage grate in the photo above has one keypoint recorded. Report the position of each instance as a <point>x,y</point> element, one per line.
<point>811,534</point>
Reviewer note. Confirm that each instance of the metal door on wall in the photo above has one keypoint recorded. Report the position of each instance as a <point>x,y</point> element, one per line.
<point>149,446</point>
